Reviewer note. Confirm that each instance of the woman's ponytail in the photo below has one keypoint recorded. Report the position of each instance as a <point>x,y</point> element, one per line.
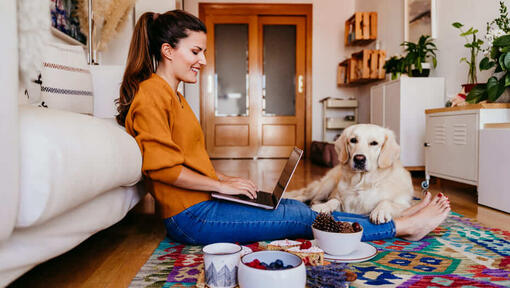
<point>151,31</point>
<point>139,66</point>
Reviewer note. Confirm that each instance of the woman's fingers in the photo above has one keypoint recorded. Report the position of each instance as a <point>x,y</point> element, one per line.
<point>247,181</point>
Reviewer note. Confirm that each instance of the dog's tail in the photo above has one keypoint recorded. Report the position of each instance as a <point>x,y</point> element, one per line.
<point>318,190</point>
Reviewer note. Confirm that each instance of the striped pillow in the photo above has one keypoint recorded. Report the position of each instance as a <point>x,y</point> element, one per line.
<point>66,79</point>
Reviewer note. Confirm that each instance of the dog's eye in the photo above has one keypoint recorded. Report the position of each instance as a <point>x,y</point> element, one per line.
<point>354,140</point>
<point>373,143</point>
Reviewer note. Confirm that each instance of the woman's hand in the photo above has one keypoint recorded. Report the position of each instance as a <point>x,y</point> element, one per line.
<point>236,186</point>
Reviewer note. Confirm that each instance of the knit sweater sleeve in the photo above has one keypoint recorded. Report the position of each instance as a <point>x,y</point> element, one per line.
<point>152,128</point>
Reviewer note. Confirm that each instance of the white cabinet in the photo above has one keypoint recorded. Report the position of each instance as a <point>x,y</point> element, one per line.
<point>493,185</point>
<point>452,139</point>
<point>400,106</point>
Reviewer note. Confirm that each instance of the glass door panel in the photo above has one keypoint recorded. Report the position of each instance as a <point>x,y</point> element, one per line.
<point>279,66</point>
<point>231,69</point>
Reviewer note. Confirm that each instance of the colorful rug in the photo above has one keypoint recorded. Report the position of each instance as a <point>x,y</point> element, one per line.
<point>459,253</point>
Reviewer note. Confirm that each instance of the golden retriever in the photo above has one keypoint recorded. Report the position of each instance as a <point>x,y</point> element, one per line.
<point>369,179</point>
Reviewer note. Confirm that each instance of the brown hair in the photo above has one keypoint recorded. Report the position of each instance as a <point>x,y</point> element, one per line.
<point>151,31</point>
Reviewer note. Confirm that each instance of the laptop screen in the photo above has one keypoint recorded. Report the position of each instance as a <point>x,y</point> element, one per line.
<point>287,172</point>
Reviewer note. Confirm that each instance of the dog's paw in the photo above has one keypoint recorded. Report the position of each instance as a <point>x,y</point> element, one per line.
<point>323,207</point>
<point>380,215</point>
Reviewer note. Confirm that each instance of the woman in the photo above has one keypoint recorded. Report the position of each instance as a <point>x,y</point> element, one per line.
<point>168,49</point>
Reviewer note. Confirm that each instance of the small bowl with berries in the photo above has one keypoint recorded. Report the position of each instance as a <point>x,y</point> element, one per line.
<point>336,237</point>
<point>271,269</point>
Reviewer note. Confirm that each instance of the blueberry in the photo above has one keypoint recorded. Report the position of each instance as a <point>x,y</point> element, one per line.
<point>288,266</point>
<point>272,265</point>
<point>279,263</point>
<point>264,264</point>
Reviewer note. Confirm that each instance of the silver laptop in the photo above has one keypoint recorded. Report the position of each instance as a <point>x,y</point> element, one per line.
<point>268,200</point>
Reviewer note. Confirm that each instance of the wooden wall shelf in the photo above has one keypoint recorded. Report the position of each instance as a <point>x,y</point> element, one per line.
<point>363,67</point>
<point>361,28</point>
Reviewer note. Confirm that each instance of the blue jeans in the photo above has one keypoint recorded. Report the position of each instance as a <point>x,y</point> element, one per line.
<point>222,221</point>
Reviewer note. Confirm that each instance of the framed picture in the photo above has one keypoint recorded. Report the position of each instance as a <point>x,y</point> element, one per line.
<point>420,19</point>
<point>64,18</point>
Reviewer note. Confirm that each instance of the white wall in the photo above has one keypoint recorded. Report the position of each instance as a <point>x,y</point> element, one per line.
<point>471,13</point>
<point>327,51</point>
<point>118,48</point>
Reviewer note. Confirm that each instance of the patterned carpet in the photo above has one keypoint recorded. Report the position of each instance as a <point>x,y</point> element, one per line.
<point>459,253</point>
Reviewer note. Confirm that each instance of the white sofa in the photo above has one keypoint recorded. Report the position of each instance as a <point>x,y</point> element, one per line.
<point>63,176</point>
<point>78,175</point>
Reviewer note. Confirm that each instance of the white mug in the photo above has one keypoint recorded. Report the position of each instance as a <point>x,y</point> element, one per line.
<point>221,262</point>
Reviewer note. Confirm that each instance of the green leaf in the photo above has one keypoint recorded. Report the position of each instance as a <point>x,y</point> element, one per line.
<point>507,80</point>
<point>457,25</point>
<point>469,32</point>
<point>506,61</point>
<point>468,45</point>
<point>486,64</point>
<point>502,41</point>
<point>477,94</point>
<point>463,59</point>
<point>494,89</point>
<point>434,62</point>
<point>502,60</point>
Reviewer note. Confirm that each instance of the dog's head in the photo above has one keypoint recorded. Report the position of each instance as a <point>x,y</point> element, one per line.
<point>367,147</point>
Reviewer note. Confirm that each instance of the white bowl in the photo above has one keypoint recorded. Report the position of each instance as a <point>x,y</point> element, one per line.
<point>337,244</point>
<point>250,277</point>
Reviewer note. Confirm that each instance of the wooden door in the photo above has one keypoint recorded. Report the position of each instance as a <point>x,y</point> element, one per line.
<point>282,61</point>
<point>231,75</point>
<point>253,87</point>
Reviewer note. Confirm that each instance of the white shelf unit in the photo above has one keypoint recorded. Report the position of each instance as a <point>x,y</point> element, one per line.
<point>400,106</point>
<point>336,123</point>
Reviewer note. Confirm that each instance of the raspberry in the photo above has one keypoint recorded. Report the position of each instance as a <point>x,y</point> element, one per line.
<point>305,245</point>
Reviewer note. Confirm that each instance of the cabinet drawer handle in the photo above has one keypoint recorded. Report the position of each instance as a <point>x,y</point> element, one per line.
<point>426,144</point>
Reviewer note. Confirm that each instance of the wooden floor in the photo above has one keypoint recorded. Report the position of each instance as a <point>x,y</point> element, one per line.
<point>111,258</point>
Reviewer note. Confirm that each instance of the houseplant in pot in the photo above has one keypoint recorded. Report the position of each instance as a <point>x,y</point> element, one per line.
<point>474,45</point>
<point>496,89</point>
<point>417,55</point>
<point>395,66</point>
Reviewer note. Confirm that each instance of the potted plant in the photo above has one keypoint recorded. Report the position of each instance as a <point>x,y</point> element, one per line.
<point>474,45</point>
<point>497,58</point>
<point>395,66</point>
<point>417,54</point>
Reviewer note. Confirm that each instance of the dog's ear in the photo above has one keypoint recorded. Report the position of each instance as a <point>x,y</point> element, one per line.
<point>341,148</point>
<point>390,151</point>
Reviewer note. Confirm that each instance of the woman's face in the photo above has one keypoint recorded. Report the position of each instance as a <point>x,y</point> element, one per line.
<point>188,57</point>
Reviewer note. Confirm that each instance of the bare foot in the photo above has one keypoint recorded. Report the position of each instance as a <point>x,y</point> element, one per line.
<point>417,207</point>
<point>418,225</point>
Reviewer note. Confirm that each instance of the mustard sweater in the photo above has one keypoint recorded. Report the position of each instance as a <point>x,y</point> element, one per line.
<point>170,137</point>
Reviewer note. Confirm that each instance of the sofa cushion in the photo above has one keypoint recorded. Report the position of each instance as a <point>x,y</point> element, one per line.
<point>69,158</point>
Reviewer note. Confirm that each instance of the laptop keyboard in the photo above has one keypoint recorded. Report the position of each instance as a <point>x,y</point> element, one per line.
<point>265,198</point>
<point>262,198</point>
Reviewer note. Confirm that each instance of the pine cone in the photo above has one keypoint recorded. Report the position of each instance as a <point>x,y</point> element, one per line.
<point>326,222</point>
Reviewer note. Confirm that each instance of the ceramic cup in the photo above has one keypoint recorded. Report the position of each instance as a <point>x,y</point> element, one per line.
<point>221,262</point>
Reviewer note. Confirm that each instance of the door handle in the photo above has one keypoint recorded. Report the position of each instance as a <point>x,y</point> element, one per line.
<point>300,84</point>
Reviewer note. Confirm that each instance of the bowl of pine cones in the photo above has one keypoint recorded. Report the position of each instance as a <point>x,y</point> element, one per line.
<point>336,237</point>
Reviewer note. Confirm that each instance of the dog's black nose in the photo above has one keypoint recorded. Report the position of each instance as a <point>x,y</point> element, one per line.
<point>360,160</point>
